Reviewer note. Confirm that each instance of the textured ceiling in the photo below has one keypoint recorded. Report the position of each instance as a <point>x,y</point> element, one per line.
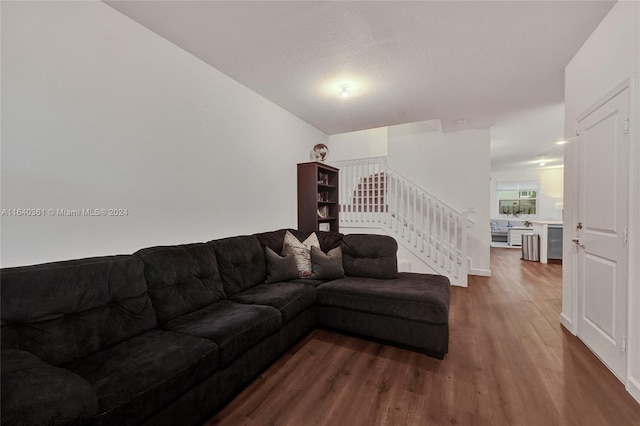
<point>404,61</point>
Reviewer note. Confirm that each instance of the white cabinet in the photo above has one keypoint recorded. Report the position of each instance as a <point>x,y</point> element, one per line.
<point>514,236</point>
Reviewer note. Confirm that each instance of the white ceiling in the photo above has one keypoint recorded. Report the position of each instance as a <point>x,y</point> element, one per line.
<point>404,61</point>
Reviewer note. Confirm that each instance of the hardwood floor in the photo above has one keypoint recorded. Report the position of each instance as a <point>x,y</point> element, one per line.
<point>509,363</point>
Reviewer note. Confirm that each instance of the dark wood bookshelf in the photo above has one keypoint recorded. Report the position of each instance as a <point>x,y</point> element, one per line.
<point>317,197</point>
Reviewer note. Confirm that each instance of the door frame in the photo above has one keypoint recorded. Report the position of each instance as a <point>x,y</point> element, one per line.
<point>570,273</point>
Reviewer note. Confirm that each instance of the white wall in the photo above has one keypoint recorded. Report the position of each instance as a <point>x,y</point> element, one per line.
<point>519,139</point>
<point>551,191</point>
<point>610,55</point>
<point>99,112</point>
<point>360,144</point>
<point>454,167</point>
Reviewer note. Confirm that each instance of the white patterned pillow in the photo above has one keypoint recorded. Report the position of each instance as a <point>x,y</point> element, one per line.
<point>301,251</point>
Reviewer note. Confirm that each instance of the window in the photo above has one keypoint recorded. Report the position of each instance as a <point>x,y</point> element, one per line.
<point>516,198</point>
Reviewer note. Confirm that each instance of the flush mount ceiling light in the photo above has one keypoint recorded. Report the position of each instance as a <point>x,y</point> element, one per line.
<point>344,93</point>
<point>543,161</point>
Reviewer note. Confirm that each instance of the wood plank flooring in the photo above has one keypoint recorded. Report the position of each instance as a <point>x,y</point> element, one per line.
<point>509,363</point>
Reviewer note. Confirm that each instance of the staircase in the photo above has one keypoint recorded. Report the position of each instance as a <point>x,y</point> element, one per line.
<point>369,194</point>
<point>374,195</point>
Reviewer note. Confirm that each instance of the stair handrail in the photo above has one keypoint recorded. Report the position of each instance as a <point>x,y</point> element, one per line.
<point>385,166</point>
<point>424,191</point>
<point>449,259</point>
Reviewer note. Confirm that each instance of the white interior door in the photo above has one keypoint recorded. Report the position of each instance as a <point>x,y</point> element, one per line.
<point>602,231</point>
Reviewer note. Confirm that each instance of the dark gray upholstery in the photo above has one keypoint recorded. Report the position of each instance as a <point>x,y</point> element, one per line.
<point>280,268</point>
<point>64,311</point>
<point>234,327</point>
<point>241,262</point>
<point>416,297</point>
<point>273,239</point>
<point>308,281</point>
<point>372,256</point>
<point>326,266</point>
<point>38,393</point>
<point>327,240</point>
<point>289,298</point>
<point>431,339</point>
<point>81,342</point>
<point>140,374</point>
<point>181,279</point>
<point>197,405</point>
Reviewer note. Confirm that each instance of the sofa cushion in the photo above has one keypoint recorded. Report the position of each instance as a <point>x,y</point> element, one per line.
<point>289,298</point>
<point>241,262</point>
<point>181,278</point>
<point>366,255</point>
<point>134,378</point>
<point>417,297</point>
<point>326,266</point>
<point>309,281</point>
<point>301,251</point>
<point>64,311</point>
<point>36,393</point>
<point>234,327</point>
<point>280,268</point>
<point>273,239</point>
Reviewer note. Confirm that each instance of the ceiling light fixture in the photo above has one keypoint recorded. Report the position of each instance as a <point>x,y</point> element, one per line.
<point>561,143</point>
<point>344,92</point>
<point>543,160</point>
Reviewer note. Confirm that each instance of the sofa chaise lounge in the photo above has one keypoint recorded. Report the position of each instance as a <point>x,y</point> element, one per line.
<point>170,334</point>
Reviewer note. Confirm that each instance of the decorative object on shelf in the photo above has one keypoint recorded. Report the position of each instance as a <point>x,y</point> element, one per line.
<point>319,152</point>
<point>323,178</point>
<point>323,212</point>
<point>324,226</point>
<point>323,196</point>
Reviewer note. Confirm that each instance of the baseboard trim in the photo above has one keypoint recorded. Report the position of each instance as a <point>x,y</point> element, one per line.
<point>480,272</point>
<point>566,323</point>
<point>633,387</point>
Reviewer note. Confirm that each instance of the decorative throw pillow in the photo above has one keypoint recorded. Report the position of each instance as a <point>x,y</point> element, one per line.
<point>301,251</point>
<point>280,268</point>
<point>326,266</point>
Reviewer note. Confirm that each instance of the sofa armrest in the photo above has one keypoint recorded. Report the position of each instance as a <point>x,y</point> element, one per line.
<point>370,256</point>
<point>34,392</point>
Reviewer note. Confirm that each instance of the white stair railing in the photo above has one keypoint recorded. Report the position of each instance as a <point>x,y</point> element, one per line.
<point>374,195</point>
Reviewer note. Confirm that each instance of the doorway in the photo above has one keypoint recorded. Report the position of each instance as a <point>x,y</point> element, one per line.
<point>601,230</point>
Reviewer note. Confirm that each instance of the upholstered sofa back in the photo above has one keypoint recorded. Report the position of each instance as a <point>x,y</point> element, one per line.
<point>181,279</point>
<point>64,311</point>
<point>373,256</point>
<point>241,262</point>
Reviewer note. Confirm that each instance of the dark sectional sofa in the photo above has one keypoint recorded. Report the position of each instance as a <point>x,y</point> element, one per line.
<point>170,334</point>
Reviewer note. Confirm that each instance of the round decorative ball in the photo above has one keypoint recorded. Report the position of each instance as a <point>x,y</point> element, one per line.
<point>319,152</point>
